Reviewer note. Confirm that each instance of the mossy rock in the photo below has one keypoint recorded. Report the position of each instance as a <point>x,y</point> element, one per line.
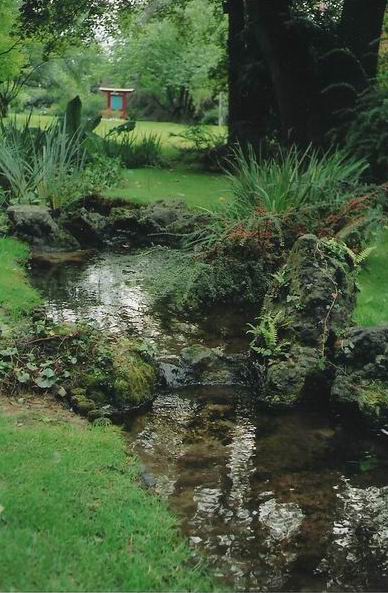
<point>361,382</point>
<point>121,377</point>
<point>313,296</point>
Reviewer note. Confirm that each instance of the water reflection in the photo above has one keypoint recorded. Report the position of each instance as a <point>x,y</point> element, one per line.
<point>112,291</point>
<point>258,493</point>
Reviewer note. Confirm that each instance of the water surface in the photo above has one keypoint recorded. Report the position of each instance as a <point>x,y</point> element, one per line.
<point>275,502</point>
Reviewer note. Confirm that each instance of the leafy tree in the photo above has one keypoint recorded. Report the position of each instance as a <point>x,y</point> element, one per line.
<point>11,54</point>
<point>173,56</point>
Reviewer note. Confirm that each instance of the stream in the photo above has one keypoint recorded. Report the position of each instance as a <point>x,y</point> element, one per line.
<point>274,502</point>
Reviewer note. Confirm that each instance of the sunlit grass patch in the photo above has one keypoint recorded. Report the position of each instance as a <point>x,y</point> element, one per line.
<point>73,516</point>
<point>204,190</point>
<point>372,304</point>
<point>17,297</point>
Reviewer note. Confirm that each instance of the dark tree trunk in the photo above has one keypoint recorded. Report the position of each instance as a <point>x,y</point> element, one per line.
<point>292,70</point>
<point>361,26</point>
<point>236,46</point>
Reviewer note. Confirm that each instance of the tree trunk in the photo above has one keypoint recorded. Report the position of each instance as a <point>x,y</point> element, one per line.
<point>236,46</point>
<point>361,27</point>
<point>292,69</point>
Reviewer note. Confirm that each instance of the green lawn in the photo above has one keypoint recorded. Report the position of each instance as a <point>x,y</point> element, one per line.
<point>73,517</point>
<point>17,297</point>
<point>205,190</point>
<point>372,304</point>
<point>163,129</point>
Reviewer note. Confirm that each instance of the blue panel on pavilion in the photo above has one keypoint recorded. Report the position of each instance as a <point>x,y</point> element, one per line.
<point>117,103</point>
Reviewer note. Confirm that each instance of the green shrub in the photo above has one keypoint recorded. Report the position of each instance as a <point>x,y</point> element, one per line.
<point>294,180</point>
<point>101,173</point>
<point>41,166</point>
<point>203,145</point>
<point>133,151</point>
<point>57,165</point>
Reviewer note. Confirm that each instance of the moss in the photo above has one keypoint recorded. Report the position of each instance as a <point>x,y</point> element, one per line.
<point>123,378</point>
<point>373,400</point>
<point>82,403</point>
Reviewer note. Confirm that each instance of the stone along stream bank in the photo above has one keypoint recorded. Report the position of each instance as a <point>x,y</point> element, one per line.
<point>293,500</point>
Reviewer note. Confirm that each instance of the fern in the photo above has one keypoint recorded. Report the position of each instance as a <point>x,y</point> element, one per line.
<point>265,334</point>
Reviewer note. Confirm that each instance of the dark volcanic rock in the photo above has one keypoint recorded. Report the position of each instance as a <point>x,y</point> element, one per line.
<point>89,227</point>
<point>309,305</point>
<point>36,225</point>
<point>361,382</point>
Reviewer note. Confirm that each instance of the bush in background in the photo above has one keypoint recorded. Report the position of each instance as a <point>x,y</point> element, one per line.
<point>134,151</point>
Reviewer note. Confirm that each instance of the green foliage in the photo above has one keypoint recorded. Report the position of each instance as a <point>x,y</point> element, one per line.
<point>294,180</point>
<point>42,168</point>
<point>17,297</point>
<point>158,53</point>
<point>101,173</point>
<point>340,250</point>
<point>11,53</point>
<point>203,145</point>
<point>188,284</point>
<point>367,137</point>
<point>269,197</point>
<point>134,151</point>
<point>72,505</point>
<point>57,165</point>
<point>266,340</point>
<point>80,363</point>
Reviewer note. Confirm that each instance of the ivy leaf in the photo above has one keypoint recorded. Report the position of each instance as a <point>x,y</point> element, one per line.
<point>44,382</point>
<point>31,366</point>
<point>48,373</point>
<point>23,377</point>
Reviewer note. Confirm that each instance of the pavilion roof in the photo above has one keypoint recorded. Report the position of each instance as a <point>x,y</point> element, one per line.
<point>116,90</point>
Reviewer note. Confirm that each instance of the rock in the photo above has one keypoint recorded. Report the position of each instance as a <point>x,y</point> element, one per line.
<point>164,222</point>
<point>210,366</point>
<point>361,382</point>
<point>90,228</point>
<point>310,303</point>
<point>124,221</point>
<point>36,225</point>
<point>357,556</point>
<point>199,357</point>
<point>81,402</point>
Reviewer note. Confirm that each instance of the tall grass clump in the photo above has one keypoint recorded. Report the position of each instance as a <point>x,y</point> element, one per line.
<point>269,195</point>
<point>40,166</point>
<point>133,151</point>
<point>294,180</point>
